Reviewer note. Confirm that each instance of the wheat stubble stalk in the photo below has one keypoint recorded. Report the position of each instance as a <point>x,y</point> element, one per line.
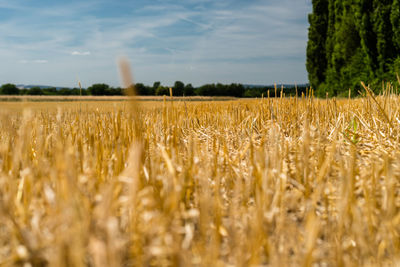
<point>279,182</point>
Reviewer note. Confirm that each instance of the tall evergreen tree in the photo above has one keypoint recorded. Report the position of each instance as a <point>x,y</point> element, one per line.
<point>363,11</point>
<point>353,58</point>
<point>395,20</point>
<point>345,59</point>
<point>329,46</point>
<point>316,55</point>
<point>358,40</point>
<point>383,29</point>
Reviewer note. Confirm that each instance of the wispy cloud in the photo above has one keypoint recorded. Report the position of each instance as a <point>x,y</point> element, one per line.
<point>194,41</point>
<point>78,53</point>
<point>40,61</point>
<point>36,61</point>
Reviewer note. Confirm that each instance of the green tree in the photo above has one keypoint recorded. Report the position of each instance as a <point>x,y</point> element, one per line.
<point>35,91</point>
<point>316,63</point>
<point>99,89</point>
<point>9,89</point>
<point>364,23</point>
<point>21,91</point>
<point>221,90</point>
<point>395,20</point>
<point>141,89</point>
<point>360,40</point>
<point>162,90</point>
<point>346,58</point>
<point>115,91</point>
<point>189,90</point>
<point>383,29</point>
<point>321,87</point>
<point>156,85</point>
<point>64,91</point>
<point>152,90</point>
<point>206,90</point>
<point>179,88</point>
<point>50,91</point>
<point>236,89</point>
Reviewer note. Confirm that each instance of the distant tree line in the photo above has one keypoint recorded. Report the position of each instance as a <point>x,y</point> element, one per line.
<point>12,89</point>
<point>351,41</point>
<point>157,89</point>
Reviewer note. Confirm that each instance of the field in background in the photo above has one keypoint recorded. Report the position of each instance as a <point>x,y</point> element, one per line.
<point>268,182</point>
<point>57,98</point>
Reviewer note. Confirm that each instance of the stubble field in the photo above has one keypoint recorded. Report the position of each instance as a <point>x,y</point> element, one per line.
<point>265,182</point>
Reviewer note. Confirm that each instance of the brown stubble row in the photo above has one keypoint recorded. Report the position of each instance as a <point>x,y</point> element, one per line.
<point>265,182</point>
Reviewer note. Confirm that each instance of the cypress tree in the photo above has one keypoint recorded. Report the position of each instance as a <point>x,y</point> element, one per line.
<point>383,30</point>
<point>352,41</point>
<point>363,11</point>
<point>395,20</point>
<point>329,46</point>
<point>345,57</point>
<point>316,55</point>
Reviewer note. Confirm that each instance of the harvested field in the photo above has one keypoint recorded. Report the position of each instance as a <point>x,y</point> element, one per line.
<point>267,182</point>
<point>59,98</point>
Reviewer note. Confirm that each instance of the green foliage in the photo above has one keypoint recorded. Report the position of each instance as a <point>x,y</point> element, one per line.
<point>99,89</point>
<point>9,89</point>
<point>141,89</point>
<point>68,91</point>
<point>115,91</point>
<point>352,41</point>
<point>236,89</point>
<point>35,91</point>
<point>162,90</point>
<point>156,85</point>
<point>395,20</point>
<point>65,91</point>
<point>206,90</point>
<point>50,91</point>
<point>188,90</point>
<point>179,88</point>
<point>102,89</point>
<point>364,24</point>
<point>265,91</point>
<point>383,29</point>
<point>258,92</point>
<point>316,53</point>
<point>350,133</point>
<point>219,89</point>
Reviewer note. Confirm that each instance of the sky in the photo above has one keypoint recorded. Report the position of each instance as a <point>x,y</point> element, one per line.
<point>58,43</point>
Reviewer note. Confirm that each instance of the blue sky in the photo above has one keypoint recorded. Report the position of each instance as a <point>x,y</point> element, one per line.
<point>195,41</point>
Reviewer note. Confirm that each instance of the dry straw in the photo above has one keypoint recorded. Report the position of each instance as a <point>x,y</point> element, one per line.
<point>271,182</point>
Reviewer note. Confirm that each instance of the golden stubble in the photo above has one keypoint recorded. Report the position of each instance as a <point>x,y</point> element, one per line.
<point>260,182</point>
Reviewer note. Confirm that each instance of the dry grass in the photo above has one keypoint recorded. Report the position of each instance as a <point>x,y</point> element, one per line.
<point>272,182</point>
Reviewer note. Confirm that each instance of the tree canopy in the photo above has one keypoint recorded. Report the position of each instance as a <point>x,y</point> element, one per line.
<point>351,41</point>
<point>179,89</point>
<point>9,89</point>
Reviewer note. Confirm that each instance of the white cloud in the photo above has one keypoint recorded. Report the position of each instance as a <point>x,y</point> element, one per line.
<point>262,41</point>
<point>37,61</point>
<point>78,53</point>
<point>40,61</point>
